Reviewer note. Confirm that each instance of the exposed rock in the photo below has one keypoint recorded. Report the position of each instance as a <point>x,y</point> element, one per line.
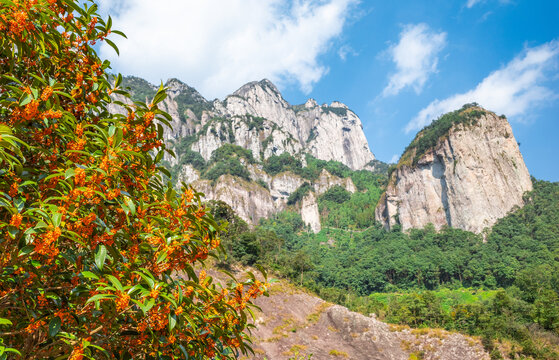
<point>294,324</point>
<point>188,174</point>
<point>326,181</point>
<point>249,200</point>
<point>282,185</point>
<point>336,133</point>
<point>474,176</point>
<point>309,212</point>
<point>256,117</point>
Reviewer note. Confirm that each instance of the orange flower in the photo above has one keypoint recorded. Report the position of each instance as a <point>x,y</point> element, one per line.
<point>34,326</point>
<point>16,220</point>
<point>148,117</point>
<point>188,195</point>
<point>77,352</point>
<point>13,189</point>
<point>46,93</point>
<point>154,293</point>
<point>122,301</point>
<point>79,177</point>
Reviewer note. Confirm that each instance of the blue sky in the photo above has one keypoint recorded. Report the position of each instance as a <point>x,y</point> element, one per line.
<point>396,64</point>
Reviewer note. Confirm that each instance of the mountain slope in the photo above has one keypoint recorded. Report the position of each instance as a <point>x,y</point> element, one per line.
<point>465,171</point>
<point>252,150</point>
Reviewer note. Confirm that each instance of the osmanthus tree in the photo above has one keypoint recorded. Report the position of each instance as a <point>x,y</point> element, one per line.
<point>92,241</point>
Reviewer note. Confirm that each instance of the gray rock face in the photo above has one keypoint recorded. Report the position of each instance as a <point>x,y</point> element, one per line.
<point>474,176</point>
<point>330,331</point>
<point>249,200</point>
<point>309,212</point>
<point>256,117</point>
<point>253,202</point>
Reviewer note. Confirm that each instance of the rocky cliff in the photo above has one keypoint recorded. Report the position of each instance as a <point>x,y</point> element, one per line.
<point>257,118</point>
<point>465,171</point>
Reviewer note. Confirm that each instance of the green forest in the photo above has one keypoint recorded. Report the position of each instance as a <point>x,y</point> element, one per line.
<point>504,287</point>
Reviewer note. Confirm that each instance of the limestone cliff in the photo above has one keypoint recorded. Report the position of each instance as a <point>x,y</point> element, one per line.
<point>257,118</point>
<point>465,171</point>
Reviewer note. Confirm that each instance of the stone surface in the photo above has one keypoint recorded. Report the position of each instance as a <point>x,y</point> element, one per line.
<point>473,176</point>
<point>309,212</point>
<point>294,324</point>
<point>326,181</point>
<point>258,118</point>
<point>249,200</point>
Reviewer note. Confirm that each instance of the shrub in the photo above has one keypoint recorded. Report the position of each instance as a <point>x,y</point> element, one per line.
<point>90,235</point>
<point>299,194</point>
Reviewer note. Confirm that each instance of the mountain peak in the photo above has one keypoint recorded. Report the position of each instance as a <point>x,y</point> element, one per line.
<point>177,87</point>
<point>264,84</point>
<point>465,170</point>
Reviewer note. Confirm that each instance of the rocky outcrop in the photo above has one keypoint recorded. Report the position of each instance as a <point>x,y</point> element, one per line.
<point>256,117</point>
<point>309,212</point>
<point>473,176</point>
<point>336,133</point>
<point>326,181</point>
<point>294,324</point>
<point>252,201</point>
<point>249,200</point>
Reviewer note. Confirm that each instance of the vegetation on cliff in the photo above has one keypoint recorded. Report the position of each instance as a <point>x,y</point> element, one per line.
<point>431,134</point>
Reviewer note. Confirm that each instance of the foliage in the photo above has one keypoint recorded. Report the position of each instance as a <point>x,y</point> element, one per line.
<point>299,194</point>
<point>336,194</point>
<point>231,166</point>
<point>417,278</point>
<point>90,235</point>
<point>189,98</point>
<point>140,90</point>
<point>276,164</point>
<point>226,151</point>
<point>339,111</point>
<point>429,136</point>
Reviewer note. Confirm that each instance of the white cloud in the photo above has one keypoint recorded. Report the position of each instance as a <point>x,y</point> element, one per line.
<point>513,90</point>
<point>471,3</point>
<point>416,57</point>
<point>218,45</point>
<point>345,51</point>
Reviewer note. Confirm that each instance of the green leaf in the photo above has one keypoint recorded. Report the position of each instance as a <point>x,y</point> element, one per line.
<point>149,305</point>
<point>5,322</point>
<point>26,250</point>
<point>56,219</point>
<point>99,297</point>
<point>130,205</point>
<point>54,326</point>
<point>172,321</point>
<point>149,280</point>
<point>69,173</point>
<point>90,275</point>
<point>100,257</point>
<point>26,100</point>
<point>112,44</point>
<point>115,282</point>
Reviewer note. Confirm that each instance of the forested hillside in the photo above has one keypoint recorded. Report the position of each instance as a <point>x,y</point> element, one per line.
<point>504,287</point>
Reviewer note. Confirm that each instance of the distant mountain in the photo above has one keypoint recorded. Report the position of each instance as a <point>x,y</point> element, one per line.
<point>465,170</point>
<point>257,152</point>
